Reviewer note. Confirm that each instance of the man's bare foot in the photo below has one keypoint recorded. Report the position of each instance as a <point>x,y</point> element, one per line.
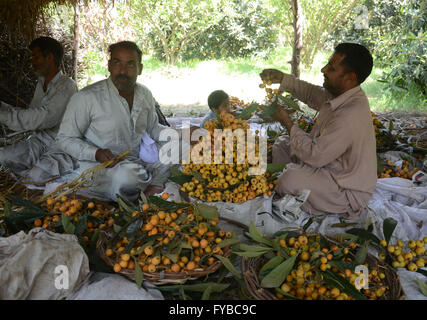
<point>151,190</point>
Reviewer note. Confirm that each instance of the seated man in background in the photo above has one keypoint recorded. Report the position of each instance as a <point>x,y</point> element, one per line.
<point>337,160</point>
<point>43,116</point>
<point>218,101</point>
<point>110,117</point>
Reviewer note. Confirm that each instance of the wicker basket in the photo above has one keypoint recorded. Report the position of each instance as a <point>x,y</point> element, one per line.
<point>159,278</point>
<point>251,267</point>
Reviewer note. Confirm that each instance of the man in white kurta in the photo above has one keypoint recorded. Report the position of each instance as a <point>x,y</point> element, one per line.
<point>44,114</point>
<point>110,117</point>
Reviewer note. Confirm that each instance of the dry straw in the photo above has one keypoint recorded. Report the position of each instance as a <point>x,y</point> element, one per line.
<point>21,16</point>
<point>83,181</point>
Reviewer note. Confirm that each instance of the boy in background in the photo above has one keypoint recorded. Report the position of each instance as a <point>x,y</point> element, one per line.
<point>218,101</point>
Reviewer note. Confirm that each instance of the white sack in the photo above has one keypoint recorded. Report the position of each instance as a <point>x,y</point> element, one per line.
<point>28,263</point>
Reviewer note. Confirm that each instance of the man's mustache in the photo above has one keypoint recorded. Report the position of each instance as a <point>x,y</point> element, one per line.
<point>119,77</point>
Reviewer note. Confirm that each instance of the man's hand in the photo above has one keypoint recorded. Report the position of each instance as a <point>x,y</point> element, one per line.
<point>273,75</point>
<point>283,117</point>
<point>152,190</point>
<point>104,155</point>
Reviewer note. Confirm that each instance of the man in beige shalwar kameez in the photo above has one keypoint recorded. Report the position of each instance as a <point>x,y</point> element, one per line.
<point>336,161</point>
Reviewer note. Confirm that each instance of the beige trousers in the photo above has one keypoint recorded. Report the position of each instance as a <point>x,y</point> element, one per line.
<point>326,195</point>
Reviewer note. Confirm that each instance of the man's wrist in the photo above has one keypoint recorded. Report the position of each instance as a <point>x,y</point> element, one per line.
<point>285,119</point>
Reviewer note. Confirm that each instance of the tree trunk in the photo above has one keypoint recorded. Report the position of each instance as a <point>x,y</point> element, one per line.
<point>297,45</point>
<point>76,38</point>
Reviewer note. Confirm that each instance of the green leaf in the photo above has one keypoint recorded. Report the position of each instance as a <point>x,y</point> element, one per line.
<point>342,284</point>
<point>276,277</point>
<point>324,243</point>
<point>206,211</point>
<point>247,112</point>
<point>27,215</point>
<point>124,206</point>
<point>7,209</point>
<point>273,263</point>
<point>362,253</point>
<point>251,254</point>
<point>287,295</point>
<point>228,242</point>
<point>173,257</point>
<point>271,133</point>
<point>423,287</point>
<point>145,245</point>
<point>81,226</point>
<point>275,167</point>
<point>255,248</point>
<point>226,262</point>
<point>199,176</point>
<point>364,234</point>
<point>390,126</point>
<point>343,265</point>
<point>380,166</point>
<point>181,179</point>
<point>21,202</point>
<point>139,276</point>
<point>134,228</point>
<point>277,247</point>
<point>67,224</point>
<point>116,228</point>
<point>289,103</point>
<point>389,225</point>
<point>270,110</point>
<point>207,293</point>
<point>144,198</point>
<point>256,235</point>
<point>95,236</point>
<point>167,205</point>
<point>307,224</point>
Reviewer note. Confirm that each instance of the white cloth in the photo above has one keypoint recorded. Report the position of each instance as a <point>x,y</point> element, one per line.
<point>148,151</point>
<point>43,117</point>
<point>104,286</point>
<point>28,265</point>
<point>208,117</point>
<point>97,117</point>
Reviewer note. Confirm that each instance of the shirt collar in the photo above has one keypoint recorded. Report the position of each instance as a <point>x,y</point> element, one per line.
<point>338,101</point>
<point>114,88</point>
<point>112,85</point>
<point>53,81</point>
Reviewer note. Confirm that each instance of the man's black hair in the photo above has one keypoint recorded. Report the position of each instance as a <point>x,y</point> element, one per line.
<point>127,45</point>
<point>49,45</point>
<point>357,59</point>
<point>216,98</point>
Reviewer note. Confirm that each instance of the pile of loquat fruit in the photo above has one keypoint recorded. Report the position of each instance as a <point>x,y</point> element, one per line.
<point>228,181</point>
<point>175,240</point>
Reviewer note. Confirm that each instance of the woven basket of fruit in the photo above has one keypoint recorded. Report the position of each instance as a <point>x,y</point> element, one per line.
<point>163,276</point>
<point>314,267</point>
<point>166,242</point>
<point>252,266</point>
